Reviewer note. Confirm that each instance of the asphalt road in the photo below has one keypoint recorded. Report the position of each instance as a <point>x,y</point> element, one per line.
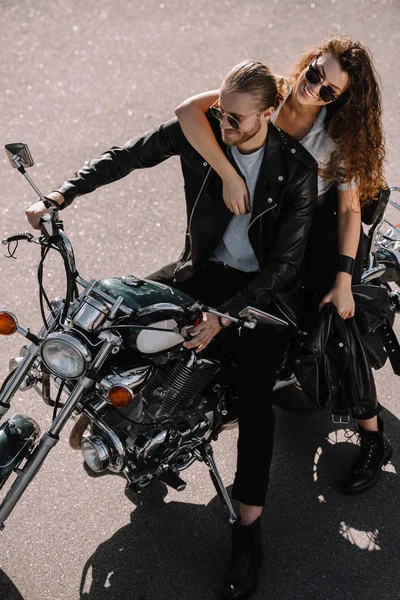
<point>76,78</point>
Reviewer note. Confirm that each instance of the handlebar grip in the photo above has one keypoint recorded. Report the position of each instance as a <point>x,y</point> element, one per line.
<point>17,237</point>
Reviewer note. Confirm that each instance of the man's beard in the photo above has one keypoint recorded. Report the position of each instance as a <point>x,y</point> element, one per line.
<point>239,139</point>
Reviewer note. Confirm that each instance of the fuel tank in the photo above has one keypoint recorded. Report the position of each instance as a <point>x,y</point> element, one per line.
<point>142,293</point>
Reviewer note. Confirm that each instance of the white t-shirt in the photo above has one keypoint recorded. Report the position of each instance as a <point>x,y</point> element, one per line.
<point>320,146</point>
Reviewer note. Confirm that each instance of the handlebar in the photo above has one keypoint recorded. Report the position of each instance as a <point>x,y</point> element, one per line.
<point>242,322</point>
<point>19,236</point>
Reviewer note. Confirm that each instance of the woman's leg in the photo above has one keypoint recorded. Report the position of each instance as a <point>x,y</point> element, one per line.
<point>369,424</point>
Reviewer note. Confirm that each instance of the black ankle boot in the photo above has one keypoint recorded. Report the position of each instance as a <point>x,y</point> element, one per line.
<point>375,451</point>
<point>241,579</point>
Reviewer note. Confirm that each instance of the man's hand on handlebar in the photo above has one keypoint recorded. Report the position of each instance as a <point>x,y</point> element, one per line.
<point>204,332</point>
<point>35,212</point>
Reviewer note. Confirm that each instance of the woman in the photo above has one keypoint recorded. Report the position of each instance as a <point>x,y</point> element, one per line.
<point>332,105</point>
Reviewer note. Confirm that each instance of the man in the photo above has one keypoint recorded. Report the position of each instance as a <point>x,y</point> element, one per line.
<point>233,261</point>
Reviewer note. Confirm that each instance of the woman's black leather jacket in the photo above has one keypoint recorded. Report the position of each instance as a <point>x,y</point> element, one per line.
<point>333,361</point>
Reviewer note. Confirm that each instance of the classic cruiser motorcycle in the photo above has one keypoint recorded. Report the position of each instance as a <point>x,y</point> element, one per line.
<point>110,354</point>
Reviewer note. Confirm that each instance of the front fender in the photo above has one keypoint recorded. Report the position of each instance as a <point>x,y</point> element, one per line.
<point>17,437</point>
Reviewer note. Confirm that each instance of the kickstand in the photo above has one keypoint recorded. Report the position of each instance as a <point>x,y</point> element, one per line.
<point>208,457</point>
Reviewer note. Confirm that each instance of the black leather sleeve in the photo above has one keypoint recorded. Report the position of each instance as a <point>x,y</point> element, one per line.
<point>144,151</point>
<point>285,258</point>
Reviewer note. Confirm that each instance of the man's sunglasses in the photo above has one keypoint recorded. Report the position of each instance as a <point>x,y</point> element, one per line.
<point>219,114</point>
<point>326,92</point>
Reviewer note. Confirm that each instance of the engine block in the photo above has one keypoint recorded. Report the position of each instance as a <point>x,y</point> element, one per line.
<point>174,386</point>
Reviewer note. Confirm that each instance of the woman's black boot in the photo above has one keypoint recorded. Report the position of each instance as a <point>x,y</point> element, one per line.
<point>241,579</point>
<point>375,451</point>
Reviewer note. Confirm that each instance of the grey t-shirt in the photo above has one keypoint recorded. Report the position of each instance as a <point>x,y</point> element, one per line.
<point>235,249</point>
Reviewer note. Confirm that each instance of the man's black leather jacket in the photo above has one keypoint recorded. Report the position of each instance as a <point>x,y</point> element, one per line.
<point>282,210</point>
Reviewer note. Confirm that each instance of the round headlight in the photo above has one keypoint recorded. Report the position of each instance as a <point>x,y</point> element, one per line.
<point>95,453</point>
<point>65,356</point>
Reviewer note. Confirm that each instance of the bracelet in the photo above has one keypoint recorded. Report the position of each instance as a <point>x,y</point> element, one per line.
<point>223,322</point>
<point>346,264</point>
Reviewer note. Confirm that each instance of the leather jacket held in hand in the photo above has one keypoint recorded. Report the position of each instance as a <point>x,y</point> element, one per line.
<point>333,361</point>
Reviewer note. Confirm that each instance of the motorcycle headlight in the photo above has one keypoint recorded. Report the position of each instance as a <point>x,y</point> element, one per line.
<point>95,453</point>
<point>65,356</point>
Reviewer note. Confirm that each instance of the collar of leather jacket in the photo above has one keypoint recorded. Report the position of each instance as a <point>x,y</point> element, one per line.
<point>274,174</point>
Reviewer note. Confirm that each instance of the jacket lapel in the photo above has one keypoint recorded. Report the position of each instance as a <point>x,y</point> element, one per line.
<point>272,178</point>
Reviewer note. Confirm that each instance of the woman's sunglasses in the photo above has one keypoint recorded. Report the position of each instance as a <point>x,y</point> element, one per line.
<point>219,114</point>
<point>326,92</point>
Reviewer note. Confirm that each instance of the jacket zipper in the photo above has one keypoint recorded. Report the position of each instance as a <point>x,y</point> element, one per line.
<point>274,301</point>
<point>261,214</point>
<point>185,259</point>
<point>198,197</point>
<point>285,315</point>
<point>356,404</point>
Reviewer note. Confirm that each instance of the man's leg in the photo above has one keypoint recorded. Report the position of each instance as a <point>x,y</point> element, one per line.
<point>259,355</point>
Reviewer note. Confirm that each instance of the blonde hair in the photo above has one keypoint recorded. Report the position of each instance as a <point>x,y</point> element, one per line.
<point>255,78</point>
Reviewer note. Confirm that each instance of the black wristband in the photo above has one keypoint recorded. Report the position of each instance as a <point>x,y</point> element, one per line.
<point>346,264</point>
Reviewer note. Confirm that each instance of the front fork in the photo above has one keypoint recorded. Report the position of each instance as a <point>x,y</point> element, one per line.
<point>13,383</point>
<point>50,437</point>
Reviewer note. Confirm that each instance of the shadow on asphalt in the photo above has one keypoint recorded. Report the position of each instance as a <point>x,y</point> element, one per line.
<point>318,543</point>
<point>8,589</point>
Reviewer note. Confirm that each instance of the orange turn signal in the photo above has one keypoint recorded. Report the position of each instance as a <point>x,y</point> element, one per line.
<point>8,323</point>
<point>120,396</point>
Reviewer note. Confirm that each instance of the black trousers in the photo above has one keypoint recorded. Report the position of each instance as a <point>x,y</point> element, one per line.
<point>258,354</point>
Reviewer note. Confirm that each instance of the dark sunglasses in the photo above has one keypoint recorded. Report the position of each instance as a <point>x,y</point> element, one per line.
<point>219,114</point>
<point>326,92</point>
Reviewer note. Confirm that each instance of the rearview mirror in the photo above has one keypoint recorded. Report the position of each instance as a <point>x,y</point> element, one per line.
<point>262,317</point>
<point>19,155</point>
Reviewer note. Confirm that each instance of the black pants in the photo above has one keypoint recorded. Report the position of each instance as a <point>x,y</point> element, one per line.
<point>258,354</point>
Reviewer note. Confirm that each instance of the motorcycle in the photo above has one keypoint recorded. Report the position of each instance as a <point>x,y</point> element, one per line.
<point>144,405</point>
<point>110,355</point>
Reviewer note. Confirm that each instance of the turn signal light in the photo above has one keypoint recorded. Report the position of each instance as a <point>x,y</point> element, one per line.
<point>8,323</point>
<point>120,396</point>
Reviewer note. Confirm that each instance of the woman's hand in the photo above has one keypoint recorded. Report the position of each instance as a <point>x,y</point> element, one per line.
<point>204,332</point>
<point>236,195</point>
<point>342,297</point>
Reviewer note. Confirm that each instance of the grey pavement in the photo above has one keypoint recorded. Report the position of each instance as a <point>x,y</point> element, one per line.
<point>77,77</point>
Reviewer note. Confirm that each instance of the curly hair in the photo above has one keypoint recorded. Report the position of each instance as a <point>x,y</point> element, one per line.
<point>353,121</point>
